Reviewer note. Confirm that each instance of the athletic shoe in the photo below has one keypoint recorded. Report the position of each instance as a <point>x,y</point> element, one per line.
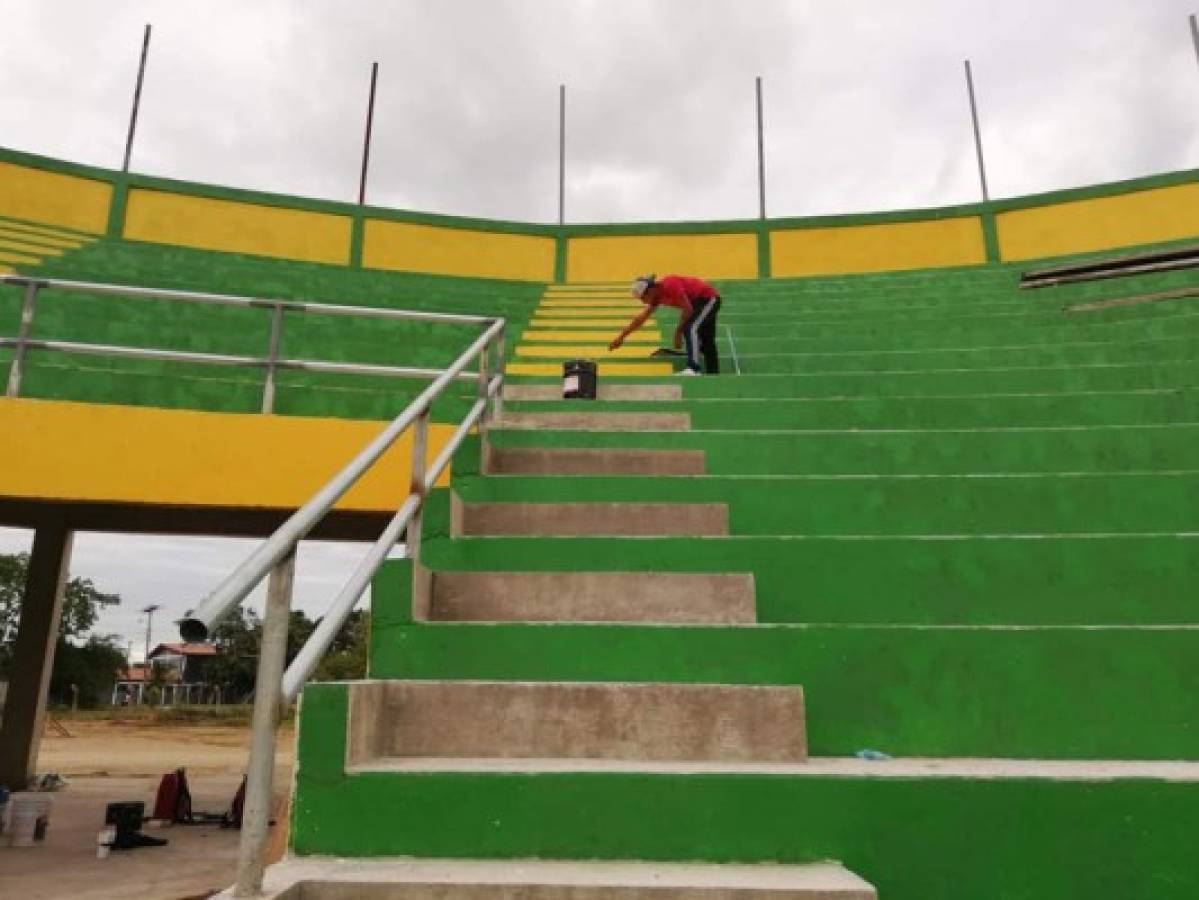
<point>688,372</point>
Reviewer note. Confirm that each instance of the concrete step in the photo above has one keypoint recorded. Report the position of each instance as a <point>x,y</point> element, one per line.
<point>455,879</point>
<point>581,461</point>
<point>606,392</point>
<point>626,721</point>
<point>595,421</point>
<point>670,598</point>
<point>589,519</point>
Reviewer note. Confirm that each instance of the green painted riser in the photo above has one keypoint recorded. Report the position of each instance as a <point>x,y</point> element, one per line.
<point>1034,411</point>
<point>895,506</point>
<point>1058,581</point>
<point>906,384</point>
<point>1081,354</point>
<point>800,340</point>
<point>1038,693</point>
<point>926,839</point>
<point>213,393</point>
<point>1133,449</point>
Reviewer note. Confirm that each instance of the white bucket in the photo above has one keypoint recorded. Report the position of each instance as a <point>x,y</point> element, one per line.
<point>30,818</point>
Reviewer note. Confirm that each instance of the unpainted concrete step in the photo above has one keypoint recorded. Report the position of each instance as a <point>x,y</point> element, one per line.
<point>595,421</point>
<point>452,879</point>
<point>663,392</point>
<point>604,461</point>
<point>626,721</point>
<point>589,519</point>
<point>659,597</point>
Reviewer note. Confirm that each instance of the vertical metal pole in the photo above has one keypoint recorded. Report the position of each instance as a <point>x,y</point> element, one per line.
<point>561,154</point>
<point>497,405</point>
<point>420,447</point>
<point>272,358</point>
<point>366,141</point>
<point>978,139</point>
<point>17,371</point>
<point>137,98</point>
<point>484,372</point>
<point>732,349</point>
<point>272,657</point>
<point>761,155</point>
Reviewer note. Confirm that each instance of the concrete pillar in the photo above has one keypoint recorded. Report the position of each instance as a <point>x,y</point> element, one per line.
<point>33,654</point>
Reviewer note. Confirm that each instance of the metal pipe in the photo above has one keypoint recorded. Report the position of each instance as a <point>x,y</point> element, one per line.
<point>222,359</point>
<point>978,139</point>
<point>1195,35</point>
<point>17,371</point>
<point>272,358</point>
<point>260,778</point>
<point>561,154</point>
<point>324,309</point>
<point>761,155</point>
<point>501,365</point>
<point>326,631</point>
<point>196,625</point>
<point>347,598</point>
<point>418,485</point>
<point>137,97</point>
<point>366,140</point>
<point>732,349</point>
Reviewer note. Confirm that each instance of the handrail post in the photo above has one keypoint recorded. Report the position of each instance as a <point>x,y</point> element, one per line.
<point>17,370</point>
<point>484,381</point>
<point>497,405</point>
<point>420,448</point>
<point>272,656</point>
<point>272,359</point>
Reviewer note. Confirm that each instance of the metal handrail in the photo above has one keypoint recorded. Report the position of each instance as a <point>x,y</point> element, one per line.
<point>271,362</point>
<point>237,586</point>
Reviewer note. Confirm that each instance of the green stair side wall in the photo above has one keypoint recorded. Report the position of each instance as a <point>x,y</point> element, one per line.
<point>914,839</point>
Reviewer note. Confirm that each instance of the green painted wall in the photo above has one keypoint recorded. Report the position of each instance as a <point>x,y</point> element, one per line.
<point>915,839</point>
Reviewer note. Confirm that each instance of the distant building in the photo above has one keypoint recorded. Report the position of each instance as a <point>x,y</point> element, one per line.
<point>180,672</point>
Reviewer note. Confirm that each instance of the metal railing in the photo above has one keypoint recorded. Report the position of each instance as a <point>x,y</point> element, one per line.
<point>275,557</point>
<point>272,362</point>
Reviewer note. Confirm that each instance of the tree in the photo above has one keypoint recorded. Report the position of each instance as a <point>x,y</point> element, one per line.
<point>80,608</point>
<point>92,667</point>
<point>346,659</point>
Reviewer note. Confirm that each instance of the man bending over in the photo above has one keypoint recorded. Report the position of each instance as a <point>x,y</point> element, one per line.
<point>697,303</point>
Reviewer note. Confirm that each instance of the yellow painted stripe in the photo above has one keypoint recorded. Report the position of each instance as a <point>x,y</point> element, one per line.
<point>6,270</point>
<point>26,247</point>
<point>45,230</point>
<point>646,370</point>
<point>54,199</point>
<point>187,458</point>
<point>613,322</point>
<point>582,351</point>
<point>564,337</point>
<point>624,314</point>
<point>18,258</point>
<point>576,304</point>
<point>53,240</point>
<point>623,295</point>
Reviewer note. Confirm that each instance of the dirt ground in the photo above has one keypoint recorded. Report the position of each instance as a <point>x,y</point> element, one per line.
<point>105,761</point>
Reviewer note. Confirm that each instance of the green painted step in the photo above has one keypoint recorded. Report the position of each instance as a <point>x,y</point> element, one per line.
<point>1057,581</point>
<point>1113,450</point>
<point>866,505</point>
<point>1154,407</point>
<point>1132,833</point>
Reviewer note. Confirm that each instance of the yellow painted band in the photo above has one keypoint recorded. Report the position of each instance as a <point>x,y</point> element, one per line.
<point>103,453</point>
<point>625,256</point>
<point>42,237</point>
<point>614,322</point>
<point>53,198</point>
<point>640,337</point>
<point>407,247</point>
<point>19,258</point>
<point>647,370</point>
<point>885,247</point>
<point>46,231</point>
<point>582,351</point>
<point>1104,223</point>
<point>236,227</point>
<point>575,313</point>
<point>26,247</point>
<point>583,304</point>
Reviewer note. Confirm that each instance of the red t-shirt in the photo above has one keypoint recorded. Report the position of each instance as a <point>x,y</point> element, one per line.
<point>680,291</point>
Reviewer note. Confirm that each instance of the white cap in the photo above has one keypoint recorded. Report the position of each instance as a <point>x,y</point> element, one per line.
<point>642,284</point>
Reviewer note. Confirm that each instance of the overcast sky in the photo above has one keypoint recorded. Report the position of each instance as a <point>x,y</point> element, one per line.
<point>865,109</point>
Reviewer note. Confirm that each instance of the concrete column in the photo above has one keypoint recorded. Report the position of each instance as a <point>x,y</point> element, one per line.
<point>33,655</point>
